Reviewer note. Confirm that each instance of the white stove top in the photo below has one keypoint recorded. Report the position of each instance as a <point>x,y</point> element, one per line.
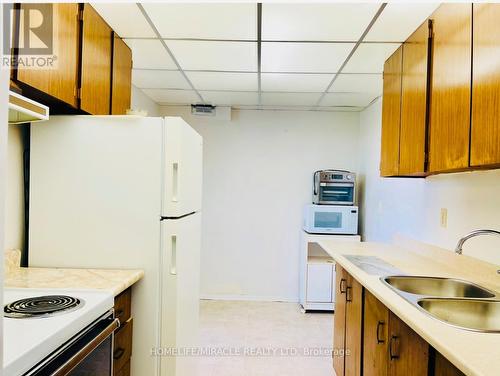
<point>27,341</point>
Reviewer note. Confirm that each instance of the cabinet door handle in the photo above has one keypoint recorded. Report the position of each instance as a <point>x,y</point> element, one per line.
<point>348,296</point>
<point>118,353</point>
<point>343,282</point>
<point>380,324</point>
<point>393,353</point>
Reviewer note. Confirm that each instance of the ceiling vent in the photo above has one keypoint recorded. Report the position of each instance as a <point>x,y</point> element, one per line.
<point>203,109</point>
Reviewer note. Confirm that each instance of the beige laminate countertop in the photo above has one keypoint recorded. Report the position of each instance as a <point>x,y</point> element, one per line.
<point>111,280</point>
<point>473,353</point>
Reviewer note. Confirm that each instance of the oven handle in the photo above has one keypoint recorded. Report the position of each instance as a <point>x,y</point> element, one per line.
<point>87,349</point>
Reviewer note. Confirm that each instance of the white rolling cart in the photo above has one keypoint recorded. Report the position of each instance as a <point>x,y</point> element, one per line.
<point>317,272</point>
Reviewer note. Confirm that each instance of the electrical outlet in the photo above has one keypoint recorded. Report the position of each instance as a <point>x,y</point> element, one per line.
<point>444,217</point>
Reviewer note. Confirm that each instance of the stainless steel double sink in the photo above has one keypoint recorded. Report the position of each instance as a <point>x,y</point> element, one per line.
<point>456,302</point>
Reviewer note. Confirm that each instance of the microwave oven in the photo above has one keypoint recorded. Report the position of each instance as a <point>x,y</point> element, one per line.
<point>331,219</point>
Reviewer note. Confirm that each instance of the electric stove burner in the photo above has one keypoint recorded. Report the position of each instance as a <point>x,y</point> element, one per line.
<point>41,306</point>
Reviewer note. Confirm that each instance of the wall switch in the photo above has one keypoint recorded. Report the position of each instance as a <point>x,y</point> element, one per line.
<point>444,217</point>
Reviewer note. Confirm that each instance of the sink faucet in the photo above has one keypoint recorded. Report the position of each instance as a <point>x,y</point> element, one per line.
<point>461,242</point>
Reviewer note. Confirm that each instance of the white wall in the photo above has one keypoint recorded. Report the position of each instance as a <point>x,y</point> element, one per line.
<point>141,101</point>
<point>14,214</point>
<point>412,206</point>
<point>257,176</point>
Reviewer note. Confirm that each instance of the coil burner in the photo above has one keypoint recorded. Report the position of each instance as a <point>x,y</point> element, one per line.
<point>41,306</point>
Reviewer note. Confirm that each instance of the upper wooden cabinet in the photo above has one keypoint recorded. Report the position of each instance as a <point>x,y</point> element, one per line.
<point>95,94</point>
<point>485,128</point>
<point>61,82</point>
<point>93,68</point>
<point>414,106</point>
<point>450,88</point>
<point>121,86</point>
<point>391,114</point>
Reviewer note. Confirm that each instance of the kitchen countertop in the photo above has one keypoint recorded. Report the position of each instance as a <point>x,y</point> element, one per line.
<point>473,353</point>
<point>112,280</point>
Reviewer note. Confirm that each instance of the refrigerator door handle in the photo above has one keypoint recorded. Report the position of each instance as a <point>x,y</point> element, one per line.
<point>175,181</point>
<point>173,255</point>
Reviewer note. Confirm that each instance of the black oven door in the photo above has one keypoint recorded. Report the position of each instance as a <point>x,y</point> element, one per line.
<point>88,353</point>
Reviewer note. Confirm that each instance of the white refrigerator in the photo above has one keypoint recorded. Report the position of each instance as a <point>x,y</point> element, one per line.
<point>125,192</point>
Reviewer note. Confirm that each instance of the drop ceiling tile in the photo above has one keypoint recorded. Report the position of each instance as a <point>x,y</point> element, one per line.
<point>211,55</point>
<point>295,82</point>
<point>119,17</point>
<point>348,99</point>
<point>224,81</point>
<point>370,58</point>
<point>289,99</point>
<point>149,54</point>
<point>334,22</point>
<point>204,21</point>
<point>166,96</point>
<point>361,83</point>
<point>389,26</point>
<point>159,79</point>
<point>230,98</point>
<point>304,57</point>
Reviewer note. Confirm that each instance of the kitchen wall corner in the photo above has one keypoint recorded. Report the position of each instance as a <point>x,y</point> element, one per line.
<point>141,101</point>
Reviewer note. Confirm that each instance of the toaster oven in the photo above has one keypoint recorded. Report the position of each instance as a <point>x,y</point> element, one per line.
<point>334,187</point>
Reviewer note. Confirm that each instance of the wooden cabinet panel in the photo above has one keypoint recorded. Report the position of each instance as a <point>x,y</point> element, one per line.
<point>353,327</point>
<point>413,131</point>
<point>123,345</point>
<point>375,337</point>
<point>339,320</point>
<point>391,115</point>
<point>122,77</point>
<point>408,352</point>
<point>123,305</point>
<point>124,371</point>
<point>485,128</point>
<point>96,63</point>
<point>61,82</point>
<point>443,367</point>
<point>450,92</point>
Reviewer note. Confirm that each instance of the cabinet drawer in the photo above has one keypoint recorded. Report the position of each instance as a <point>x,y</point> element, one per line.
<point>123,345</point>
<point>123,305</point>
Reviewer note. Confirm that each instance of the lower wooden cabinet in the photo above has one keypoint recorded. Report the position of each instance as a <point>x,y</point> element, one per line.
<point>339,320</point>
<point>122,349</point>
<point>375,337</point>
<point>347,324</point>
<point>390,347</point>
<point>353,326</point>
<point>408,352</point>
<point>375,341</point>
<point>443,367</point>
